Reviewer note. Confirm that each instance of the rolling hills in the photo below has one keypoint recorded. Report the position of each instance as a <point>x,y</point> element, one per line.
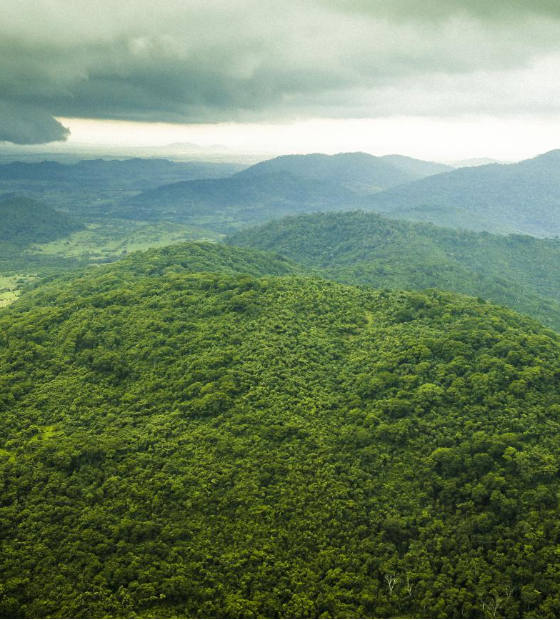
<point>182,443</point>
<point>520,198</point>
<point>230,203</point>
<point>520,272</point>
<point>358,171</point>
<point>92,187</point>
<point>285,185</point>
<point>513,198</point>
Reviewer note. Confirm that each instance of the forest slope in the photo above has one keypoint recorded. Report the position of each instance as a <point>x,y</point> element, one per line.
<point>24,221</point>
<point>517,271</point>
<point>208,445</point>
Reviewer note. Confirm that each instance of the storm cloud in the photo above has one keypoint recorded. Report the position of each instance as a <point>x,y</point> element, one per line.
<point>207,61</point>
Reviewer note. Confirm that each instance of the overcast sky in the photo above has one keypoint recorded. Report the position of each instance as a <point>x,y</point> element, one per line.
<point>437,78</point>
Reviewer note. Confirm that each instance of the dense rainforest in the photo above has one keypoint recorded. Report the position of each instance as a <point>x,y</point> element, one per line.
<point>212,430</point>
<point>194,432</point>
<point>517,271</point>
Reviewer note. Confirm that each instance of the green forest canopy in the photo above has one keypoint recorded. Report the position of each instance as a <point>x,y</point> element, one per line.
<point>180,443</point>
<point>517,271</point>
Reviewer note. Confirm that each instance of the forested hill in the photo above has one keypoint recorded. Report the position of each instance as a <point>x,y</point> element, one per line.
<point>356,170</point>
<point>209,445</point>
<point>180,258</point>
<point>520,272</point>
<point>226,204</point>
<point>518,198</point>
<point>24,221</point>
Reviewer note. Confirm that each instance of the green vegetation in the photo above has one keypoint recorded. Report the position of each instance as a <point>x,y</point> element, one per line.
<point>25,221</point>
<point>106,240</point>
<point>203,430</point>
<point>520,272</point>
<point>11,286</point>
<point>179,443</point>
<point>196,257</point>
<point>452,217</point>
<point>36,241</point>
<point>514,198</point>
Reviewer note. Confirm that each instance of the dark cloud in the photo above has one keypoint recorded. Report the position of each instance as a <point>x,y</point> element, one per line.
<point>248,60</point>
<point>23,124</point>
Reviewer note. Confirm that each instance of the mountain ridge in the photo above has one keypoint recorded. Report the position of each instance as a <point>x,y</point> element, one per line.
<point>356,169</point>
<point>521,272</point>
<point>522,197</point>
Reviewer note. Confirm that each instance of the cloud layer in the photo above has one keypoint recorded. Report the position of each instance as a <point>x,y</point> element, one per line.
<point>207,61</point>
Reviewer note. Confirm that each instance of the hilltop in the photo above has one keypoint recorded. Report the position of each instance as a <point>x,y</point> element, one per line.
<point>179,443</point>
<point>358,171</point>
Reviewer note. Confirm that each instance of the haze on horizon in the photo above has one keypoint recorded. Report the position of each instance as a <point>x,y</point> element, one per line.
<point>449,79</point>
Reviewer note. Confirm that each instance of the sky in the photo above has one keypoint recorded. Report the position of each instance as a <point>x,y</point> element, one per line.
<point>439,79</point>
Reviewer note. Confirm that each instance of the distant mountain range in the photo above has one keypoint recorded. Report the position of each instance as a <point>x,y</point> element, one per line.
<point>519,198</point>
<point>93,187</point>
<point>477,161</point>
<point>358,171</point>
<point>135,172</point>
<point>286,185</point>
<point>501,198</point>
